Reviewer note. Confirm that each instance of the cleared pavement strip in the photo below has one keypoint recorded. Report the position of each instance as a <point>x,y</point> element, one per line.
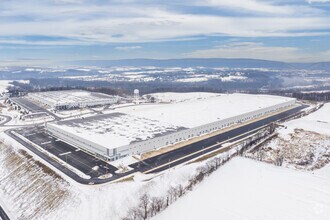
<point>208,148</point>
<point>3,214</point>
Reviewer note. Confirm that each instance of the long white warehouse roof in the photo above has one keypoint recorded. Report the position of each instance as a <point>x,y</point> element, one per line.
<point>69,96</point>
<point>195,109</point>
<point>123,126</point>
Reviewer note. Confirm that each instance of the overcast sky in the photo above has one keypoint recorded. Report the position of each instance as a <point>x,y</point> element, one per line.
<point>44,31</point>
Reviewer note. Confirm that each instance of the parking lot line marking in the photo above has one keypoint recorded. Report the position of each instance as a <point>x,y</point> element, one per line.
<point>30,134</point>
<point>66,153</point>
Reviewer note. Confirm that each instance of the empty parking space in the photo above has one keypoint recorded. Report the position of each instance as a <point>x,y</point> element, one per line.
<point>76,158</point>
<point>27,104</point>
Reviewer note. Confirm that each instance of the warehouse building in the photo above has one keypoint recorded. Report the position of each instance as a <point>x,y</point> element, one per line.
<point>71,99</point>
<point>140,129</point>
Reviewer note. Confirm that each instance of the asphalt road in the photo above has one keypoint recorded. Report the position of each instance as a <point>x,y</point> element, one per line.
<point>7,119</point>
<point>86,163</point>
<point>27,104</point>
<point>30,106</point>
<point>151,163</point>
<point>3,215</point>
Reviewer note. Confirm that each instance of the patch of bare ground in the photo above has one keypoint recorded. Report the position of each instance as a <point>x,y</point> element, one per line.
<point>32,189</point>
<point>302,150</point>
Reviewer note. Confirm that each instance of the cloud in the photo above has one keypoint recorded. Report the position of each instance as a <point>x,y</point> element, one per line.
<point>253,50</point>
<point>128,48</point>
<point>166,26</point>
<point>23,62</point>
<point>61,23</point>
<point>261,7</point>
<point>69,1</point>
<point>325,55</point>
<point>99,23</point>
<point>318,1</point>
<point>249,5</point>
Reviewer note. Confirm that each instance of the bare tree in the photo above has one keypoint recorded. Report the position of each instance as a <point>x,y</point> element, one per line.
<point>217,161</point>
<point>153,206</point>
<point>133,214</point>
<point>172,194</point>
<point>260,155</point>
<point>156,205</point>
<point>190,184</point>
<point>279,160</point>
<point>180,190</point>
<point>144,205</point>
<point>159,204</point>
<point>167,199</point>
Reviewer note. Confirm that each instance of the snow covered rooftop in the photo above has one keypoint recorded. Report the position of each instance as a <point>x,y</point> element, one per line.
<point>116,129</point>
<point>195,109</point>
<point>69,96</point>
<point>141,122</point>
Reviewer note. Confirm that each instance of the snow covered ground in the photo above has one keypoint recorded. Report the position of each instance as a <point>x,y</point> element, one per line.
<point>247,189</point>
<point>318,122</point>
<point>33,191</point>
<point>181,97</point>
<point>3,85</point>
<point>302,144</point>
<point>250,189</point>
<point>197,79</point>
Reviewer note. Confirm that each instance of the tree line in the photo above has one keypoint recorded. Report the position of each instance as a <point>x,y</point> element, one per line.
<point>149,206</point>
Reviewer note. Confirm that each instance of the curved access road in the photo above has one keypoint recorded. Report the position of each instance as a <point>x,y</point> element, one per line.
<point>3,215</point>
<point>7,119</point>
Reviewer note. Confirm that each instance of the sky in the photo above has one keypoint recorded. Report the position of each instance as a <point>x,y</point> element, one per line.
<point>58,31</point>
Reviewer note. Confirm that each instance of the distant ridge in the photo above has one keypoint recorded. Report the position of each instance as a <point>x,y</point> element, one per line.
<point>193,62</point>
<point>204,62</point>
<point>320,66</point>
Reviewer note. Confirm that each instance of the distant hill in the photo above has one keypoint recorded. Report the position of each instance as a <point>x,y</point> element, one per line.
<point>320,66</point>
<point>205,62</point>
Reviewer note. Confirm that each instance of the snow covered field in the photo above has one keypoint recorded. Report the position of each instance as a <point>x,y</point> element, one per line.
<point>318,122</point>
<point>181,97</point>
<point>33,191</point>
<point>250,189</point>
<point>3,85</point>
<point>247,189</point>
<point>302,144</point>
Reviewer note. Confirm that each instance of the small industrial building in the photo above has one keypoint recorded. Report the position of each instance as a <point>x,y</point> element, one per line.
<point>142,128</point>
<point>71,99</point>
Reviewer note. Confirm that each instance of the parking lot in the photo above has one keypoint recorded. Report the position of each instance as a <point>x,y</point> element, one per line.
<point>84,162</point>
<point>27,104</point>
<point>32,107</point>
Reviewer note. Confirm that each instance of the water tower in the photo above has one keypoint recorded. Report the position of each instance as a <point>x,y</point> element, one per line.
<point>136,94</point>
